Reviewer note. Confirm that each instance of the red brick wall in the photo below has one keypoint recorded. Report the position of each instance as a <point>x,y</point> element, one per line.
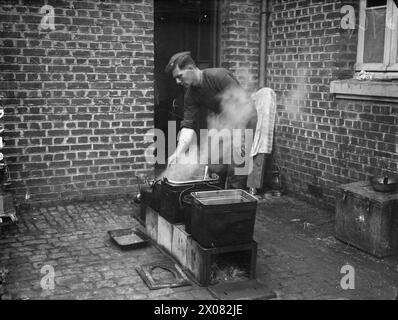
<point>78,99</point>
<point>240,39</point>
<point>320,141</point>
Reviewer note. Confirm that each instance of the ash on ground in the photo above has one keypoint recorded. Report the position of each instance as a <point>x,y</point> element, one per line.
<point>230,267</point>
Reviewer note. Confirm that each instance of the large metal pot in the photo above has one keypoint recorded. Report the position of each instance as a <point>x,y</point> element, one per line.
<point>172,206</point>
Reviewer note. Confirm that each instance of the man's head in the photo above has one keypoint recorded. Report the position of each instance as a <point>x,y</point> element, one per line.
<point>183,69</point>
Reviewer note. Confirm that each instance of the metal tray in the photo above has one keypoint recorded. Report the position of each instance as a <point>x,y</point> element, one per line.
<point>130,238</point>
<point>223,197</point>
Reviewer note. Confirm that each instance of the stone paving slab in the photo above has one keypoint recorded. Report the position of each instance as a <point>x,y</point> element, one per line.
<point>298,256</point>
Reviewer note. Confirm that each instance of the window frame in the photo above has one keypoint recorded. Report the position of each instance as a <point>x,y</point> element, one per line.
<point>394,43</point>
<point>390,63</point>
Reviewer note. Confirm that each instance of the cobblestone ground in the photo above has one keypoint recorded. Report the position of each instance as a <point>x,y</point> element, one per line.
<point>74,240</point>
<point>298,256</point>
<point>301,259</point>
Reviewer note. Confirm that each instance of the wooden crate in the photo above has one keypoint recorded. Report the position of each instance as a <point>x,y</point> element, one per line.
<point>367,219</point>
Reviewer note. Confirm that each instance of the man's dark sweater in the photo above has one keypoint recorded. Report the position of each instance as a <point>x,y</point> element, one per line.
<point>207,95</point>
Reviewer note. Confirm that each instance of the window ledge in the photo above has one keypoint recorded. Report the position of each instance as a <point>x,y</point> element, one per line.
<point>365,90</point>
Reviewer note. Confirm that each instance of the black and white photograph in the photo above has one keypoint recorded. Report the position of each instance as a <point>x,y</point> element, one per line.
<point>208,156</point>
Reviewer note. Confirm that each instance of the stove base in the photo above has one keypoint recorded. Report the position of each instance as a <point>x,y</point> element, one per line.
<point>194,258</point>
<point>201,259</point>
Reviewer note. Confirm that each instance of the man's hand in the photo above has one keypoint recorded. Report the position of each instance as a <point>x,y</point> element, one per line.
<point>185,138</point>
<point>172,159</point>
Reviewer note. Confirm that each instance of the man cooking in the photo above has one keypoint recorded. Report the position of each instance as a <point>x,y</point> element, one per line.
<point>204,89</point>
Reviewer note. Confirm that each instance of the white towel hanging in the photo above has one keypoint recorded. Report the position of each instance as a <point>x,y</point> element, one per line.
<point>265,103</point>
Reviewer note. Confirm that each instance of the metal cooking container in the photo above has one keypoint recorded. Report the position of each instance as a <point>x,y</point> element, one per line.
<point>223,197</point>
<point>223,218</point>
<point>173,193</point>
<point>384,184</point>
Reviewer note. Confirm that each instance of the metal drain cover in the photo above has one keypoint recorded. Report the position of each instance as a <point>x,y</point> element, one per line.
<point>146,272</point>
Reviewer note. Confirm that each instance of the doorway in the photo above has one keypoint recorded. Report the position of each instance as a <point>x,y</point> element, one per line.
<point>181,25</point>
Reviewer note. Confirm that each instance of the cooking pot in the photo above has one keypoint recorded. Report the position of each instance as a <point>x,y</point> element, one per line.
<point>149,191</point>
<point>384,184</point>
<point>172,206</point>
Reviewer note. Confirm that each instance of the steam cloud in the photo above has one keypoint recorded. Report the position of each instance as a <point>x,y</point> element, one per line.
<point>296,96</point>
<point>237,110</point>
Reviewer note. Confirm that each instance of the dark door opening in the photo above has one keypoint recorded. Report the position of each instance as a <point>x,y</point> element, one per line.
<point>181,25</point>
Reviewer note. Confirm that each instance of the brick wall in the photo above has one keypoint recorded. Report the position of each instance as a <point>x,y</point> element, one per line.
<point>320,141</point>
<point>77,99</point>
<point>240,39</point>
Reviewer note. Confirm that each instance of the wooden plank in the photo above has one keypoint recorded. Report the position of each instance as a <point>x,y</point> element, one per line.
<point>151,223</point>
<point>165,233</point>
<point>195,261</point>
<point>179,244</point>
<point>189,251</point>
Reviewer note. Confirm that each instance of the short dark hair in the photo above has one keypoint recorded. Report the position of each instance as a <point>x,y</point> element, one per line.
<point>185,61</point>
<point>180,59</point>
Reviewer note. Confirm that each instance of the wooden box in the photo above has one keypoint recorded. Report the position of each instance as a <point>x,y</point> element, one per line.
<point>367,219</point>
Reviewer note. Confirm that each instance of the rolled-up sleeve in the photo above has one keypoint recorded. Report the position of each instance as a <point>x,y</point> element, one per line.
<point>190,113</point>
